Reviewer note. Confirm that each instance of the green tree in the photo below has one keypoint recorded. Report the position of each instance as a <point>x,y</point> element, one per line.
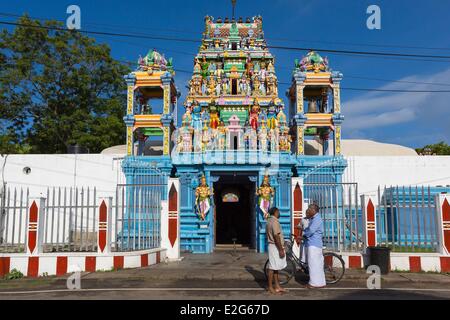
<point>440,149</point>
<point>58,88</point>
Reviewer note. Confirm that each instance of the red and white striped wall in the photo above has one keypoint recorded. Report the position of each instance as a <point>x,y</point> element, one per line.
<point>170,220</point>
<point>35,263</point>
<point>61,264</point>
<point>297,204</point>
<point>411,262</point>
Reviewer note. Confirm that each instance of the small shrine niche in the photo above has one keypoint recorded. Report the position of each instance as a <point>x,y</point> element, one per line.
<point>151,106</point>
<point>315,104</point>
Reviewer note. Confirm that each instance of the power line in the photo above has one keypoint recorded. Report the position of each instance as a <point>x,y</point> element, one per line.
<point>184,31</point>
<point>164,38</point>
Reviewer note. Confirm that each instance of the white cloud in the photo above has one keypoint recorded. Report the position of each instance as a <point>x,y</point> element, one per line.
<point>382,109</point>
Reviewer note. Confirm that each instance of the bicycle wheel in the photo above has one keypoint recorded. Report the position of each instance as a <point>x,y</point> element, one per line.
<point>284,275</point>
<point>334,267</point>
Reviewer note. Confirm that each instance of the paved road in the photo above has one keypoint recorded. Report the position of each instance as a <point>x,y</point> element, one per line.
<point>220,276</point>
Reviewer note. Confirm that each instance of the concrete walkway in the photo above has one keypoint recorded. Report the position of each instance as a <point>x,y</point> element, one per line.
<point>240,273</point>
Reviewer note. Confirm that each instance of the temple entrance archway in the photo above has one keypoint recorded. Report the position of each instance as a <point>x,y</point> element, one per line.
<point>235,217</point>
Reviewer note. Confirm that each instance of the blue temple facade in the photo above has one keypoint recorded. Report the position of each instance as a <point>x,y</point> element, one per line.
<point>238,145</point>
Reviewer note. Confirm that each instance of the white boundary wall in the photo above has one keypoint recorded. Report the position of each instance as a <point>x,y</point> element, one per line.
<point>65,170</point>
<point>370,171</point>
<point>104,171</point>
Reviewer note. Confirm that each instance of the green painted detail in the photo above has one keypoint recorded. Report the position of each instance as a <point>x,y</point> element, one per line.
<point>239,65</point>
<point>225,115</point>
<point>310,132</point>
<point>152,132</point>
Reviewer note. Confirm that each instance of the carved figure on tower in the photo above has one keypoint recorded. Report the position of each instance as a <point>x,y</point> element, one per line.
<point>262,136</point>
<point>184,141</point>
<point>211,85</point>
<point>254,114</point>
<point>203,198</point>
<point>265,194</point>
<point>205,66</point>
<point>271,116</point>
<point>221,136</point>
<point>213,117</point>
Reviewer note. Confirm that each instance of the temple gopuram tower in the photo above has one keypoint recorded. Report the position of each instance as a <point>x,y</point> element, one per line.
<point>236,152</point>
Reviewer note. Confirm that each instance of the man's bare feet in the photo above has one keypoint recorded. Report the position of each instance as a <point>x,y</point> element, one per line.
<point>281,290</point>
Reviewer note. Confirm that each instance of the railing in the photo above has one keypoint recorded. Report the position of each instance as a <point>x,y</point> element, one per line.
<point>71,218</point>
<point>407,219</point>
<point>341,214</point>
<point>70,222</point>
<point>137,213</point>
<point>13,219</point>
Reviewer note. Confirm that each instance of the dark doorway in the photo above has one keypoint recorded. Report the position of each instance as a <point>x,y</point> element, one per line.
<point>234,200</point>
<point>234,86</point>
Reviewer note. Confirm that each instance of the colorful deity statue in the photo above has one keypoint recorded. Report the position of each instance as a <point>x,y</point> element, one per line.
<point>211,85</point>
<point>313,62</point>
<point>204,87</point>
<point>256,86</point>
<point>153,61</point>
<point>254,114</point>
<point>205,66</point>
<point>272,85</point>
<point>197,67</point>
<point>218,87</point>
<point>249,68</point>
<point>196,116</point>
<point>270,67</point>
<point>225,86</point>
<point>244,86</point>
<point>221,136</point>
<point>184,141</point>
<point>213,117</point>
<point>262,88</point>
<point>263,136</point>
<point>206,137</point>
<point>274,139</point>
<point>203,198</point>
<point>285,139</point>
<point>219,71</point>
<point>281,117</point>
<point>251,138</point>
<point>265,194</point>
<point>272,116</point>
<point>196,85</point>
<point>212,68</point>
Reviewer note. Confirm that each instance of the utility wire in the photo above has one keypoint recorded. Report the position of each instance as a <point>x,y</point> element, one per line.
<point>165,38</point>
<point>121,27</point>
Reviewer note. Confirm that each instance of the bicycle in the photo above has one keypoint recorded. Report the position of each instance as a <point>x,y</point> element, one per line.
<point>334,266</point>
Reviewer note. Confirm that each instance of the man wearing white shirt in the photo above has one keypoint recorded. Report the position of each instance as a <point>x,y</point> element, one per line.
<point>313,246</point>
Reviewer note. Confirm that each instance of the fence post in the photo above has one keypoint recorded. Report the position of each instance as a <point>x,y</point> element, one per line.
<point>104,226</point>
<point>170,220</point>
<point>369,221</point>
<point>443,219</point>
<point>297,192</point>
<point>35,227</point>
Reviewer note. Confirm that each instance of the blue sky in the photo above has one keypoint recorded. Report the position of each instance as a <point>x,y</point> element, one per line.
<point>411,119</point>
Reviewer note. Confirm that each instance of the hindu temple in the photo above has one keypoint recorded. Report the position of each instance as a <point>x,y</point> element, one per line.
<point>240,146</point>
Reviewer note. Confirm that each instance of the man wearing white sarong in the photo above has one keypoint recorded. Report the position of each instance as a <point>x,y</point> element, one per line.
<point>313,247</point>
<point>277,255</point>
